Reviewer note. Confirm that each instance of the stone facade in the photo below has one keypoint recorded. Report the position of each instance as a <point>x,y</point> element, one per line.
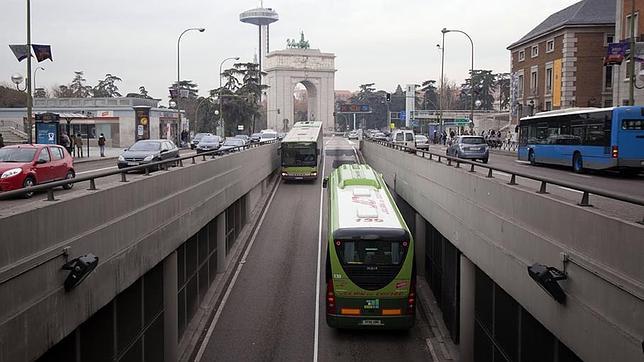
<point>622,33</point>
<point>310,67</point>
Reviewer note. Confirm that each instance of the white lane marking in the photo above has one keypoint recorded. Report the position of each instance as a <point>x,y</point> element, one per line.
<point>356,153</point>
<point>568,189</point>
<point>317,274</point>
<point>502,173</point>
<point>429,344</point>
<point>220,309</point>
<point>522,162</point>
<point>96,170</point>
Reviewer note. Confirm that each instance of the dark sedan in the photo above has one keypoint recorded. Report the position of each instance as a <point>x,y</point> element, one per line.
<point>209,143</point>
<point>469,147</point>
<point>231,144</point>
<point>255,137</point>
<point>148,151</point>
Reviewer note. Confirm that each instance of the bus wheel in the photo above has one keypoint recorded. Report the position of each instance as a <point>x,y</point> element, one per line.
<point>531,158</point>
<point>577,163</point>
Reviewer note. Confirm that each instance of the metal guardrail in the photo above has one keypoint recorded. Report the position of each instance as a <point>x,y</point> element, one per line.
<point>160,165</point>
<point>544,181</point>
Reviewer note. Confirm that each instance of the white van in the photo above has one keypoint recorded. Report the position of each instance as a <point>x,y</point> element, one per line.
<point>404,137</point>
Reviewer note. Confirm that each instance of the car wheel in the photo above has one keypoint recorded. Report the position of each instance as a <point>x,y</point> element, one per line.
<point>484,160</point>
<point>531,158</point>
<point>577,163</point>
<point>28,182</point>
<point>70,175</point>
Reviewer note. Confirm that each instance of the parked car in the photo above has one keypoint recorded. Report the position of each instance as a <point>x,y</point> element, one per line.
<point>422,142</point>
<point>469,147</point>
<point>29,165</point>
<point>230,144</point>
<point>147,151</point>
<point>379,136</point>
<point>255,137</point>
<point>197,138</point>
<point>404,137</point>
<point>353,135</point>
<point>244,137</point>
<point>209,143</point>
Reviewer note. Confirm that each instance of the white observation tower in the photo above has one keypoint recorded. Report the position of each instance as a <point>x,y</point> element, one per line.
<point>262,17</point>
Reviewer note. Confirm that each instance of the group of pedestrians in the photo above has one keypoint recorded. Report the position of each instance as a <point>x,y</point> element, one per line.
<point>74,144</point>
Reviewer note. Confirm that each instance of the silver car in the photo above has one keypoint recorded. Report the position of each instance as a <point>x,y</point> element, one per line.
<point>422,142</point>
<point>469,147</point>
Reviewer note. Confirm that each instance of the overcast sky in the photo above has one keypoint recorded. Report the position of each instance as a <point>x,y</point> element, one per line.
<point>388,42</point>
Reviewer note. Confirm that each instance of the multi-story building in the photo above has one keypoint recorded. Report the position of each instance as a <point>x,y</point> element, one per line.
<point>621,75</point>
<point>559,64</point>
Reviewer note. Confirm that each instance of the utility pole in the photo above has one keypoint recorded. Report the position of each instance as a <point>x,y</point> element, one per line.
<point>30,101</point>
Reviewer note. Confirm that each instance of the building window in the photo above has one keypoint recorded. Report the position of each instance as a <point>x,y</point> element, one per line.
<point>550,46</point>
<point>548,106</point>
<point>549,79</point>
<point>534,81</point>
<point>609,38</point>
<point>535,51</point>
<point>627,28</point>
<point>521,55</point>
<point>608,77</point>
<point>520,85</point>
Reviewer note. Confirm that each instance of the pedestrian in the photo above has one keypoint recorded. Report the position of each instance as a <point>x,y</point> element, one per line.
<point>65,142</point>
<point>101,144</point>
<point>78,142</point>
<point>1,141</point>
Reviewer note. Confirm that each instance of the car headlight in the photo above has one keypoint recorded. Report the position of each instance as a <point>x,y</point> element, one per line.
<point>11,173</point>
<point>121,158</point>
<point>148,158</point>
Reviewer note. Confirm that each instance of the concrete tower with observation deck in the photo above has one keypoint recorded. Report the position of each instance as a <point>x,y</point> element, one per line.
<point>261,17</point>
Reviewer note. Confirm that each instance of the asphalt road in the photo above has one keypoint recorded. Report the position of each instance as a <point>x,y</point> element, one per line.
<point>10,206</point>
<point>270,314</point>
<point>603,180</point>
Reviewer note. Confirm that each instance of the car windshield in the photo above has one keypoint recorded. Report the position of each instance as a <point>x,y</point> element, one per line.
<point>17,154</point>
<point>472,140</point>
<point>210,139</point>
<point>199,136</point>
<point>146,146</point>
<point>421,138</point>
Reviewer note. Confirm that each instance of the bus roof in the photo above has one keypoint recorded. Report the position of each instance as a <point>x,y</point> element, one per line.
<point>567,111</point>
<point>362,201</point>
<point>304,132</point>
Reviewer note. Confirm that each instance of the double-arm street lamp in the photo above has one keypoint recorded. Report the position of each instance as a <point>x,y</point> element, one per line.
<point>36,71</point>
<point>201,30</point>
<point>445,31</point>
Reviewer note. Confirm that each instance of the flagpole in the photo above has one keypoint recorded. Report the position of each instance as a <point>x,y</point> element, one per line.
<point>29,98</point>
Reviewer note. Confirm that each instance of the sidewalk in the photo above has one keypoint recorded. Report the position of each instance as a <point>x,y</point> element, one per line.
<point>95,154</point>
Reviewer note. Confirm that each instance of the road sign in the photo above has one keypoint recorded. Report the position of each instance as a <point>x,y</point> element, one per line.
<point>355,108</point>
<point>414,123</point>
<point>402,116</point>
<point>462,121</point>
<point>392,125</point>
<point>240,127</point>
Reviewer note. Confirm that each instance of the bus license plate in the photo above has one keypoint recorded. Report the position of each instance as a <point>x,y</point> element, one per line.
<point>371,322</point>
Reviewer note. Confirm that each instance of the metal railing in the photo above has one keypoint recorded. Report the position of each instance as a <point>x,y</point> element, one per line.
<point>514,175</point>
<point>163,165</point>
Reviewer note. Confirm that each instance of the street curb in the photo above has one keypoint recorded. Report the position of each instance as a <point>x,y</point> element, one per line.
<point>196,330</point>
<point>440,345</point>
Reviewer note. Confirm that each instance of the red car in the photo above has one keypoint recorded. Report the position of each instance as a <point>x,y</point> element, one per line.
<point>29,165</point>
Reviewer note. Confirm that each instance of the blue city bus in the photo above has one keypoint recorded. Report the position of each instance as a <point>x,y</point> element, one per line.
<point>585,138</point>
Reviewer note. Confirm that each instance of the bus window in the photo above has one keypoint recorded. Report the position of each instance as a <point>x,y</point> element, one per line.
<point>371,252</point>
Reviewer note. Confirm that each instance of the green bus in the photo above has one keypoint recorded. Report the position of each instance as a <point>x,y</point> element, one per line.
<point>370,267</point>
<point>302,151</point>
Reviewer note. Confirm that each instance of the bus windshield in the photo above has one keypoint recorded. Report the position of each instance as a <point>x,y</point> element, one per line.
<point>299,154</point>
<point>371,252</point>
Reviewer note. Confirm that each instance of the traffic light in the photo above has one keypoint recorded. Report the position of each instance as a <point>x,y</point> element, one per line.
<point>388,96</point>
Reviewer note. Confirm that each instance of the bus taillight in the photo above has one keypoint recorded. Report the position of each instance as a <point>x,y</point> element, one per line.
<point>411,300</point>
<point>330,297</point>
<point>615,151</point>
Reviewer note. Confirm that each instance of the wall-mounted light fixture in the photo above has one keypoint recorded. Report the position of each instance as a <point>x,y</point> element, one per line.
<point>547,277</point>
<point>80,269</point>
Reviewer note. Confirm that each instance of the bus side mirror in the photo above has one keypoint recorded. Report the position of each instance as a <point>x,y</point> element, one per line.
<point>325,182</point>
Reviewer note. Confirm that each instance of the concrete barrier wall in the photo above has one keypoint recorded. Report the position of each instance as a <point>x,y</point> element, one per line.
<point>503,229</point>
<point>131,227</point>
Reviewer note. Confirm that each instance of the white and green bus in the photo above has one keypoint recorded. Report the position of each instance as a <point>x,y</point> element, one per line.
<point>302,151</point>
<point>370,268</point>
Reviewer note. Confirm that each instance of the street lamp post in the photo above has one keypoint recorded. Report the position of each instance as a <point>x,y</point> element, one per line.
<point>444,31</point>
<point>201,30</point>
<point>440,96</point>
<point>221,127</point>
<point>36,71</point>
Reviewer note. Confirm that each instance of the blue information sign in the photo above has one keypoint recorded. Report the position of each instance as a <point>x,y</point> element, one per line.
<point>46,133</point>
<point>403,116</point>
